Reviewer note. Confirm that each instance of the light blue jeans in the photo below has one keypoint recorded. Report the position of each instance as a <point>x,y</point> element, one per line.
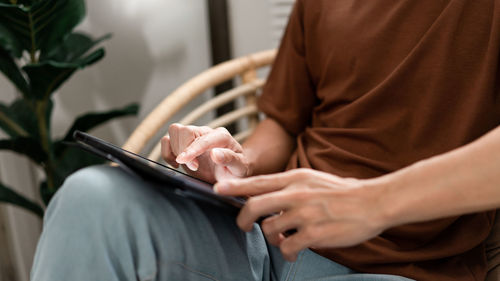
<point>105,224</point>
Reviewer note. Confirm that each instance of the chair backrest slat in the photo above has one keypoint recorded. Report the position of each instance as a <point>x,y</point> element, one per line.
<point>231,117</point>
<point>248,89</point>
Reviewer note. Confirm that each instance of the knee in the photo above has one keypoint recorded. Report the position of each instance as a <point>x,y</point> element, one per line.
<point>96,190</point>
<point>91,184</point>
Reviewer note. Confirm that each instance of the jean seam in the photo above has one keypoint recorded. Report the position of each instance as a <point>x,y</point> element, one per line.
<point>206,275</point>
<point>298,262</point>
<point>294,267</point>
<point>289,271</point>
<point>148,277</point>
<point>326,278</point>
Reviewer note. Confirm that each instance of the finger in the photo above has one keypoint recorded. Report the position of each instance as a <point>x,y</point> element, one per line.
<point>287,221</point>
<point>293,244</point>
<point>166,152</point>
<point>193,165</point>
<point>217,138</point>
<point>274,239</point>
<point>180,137</point>
<point>233,161</point>
<point>273,233</point>
<point>257,185</point>
<point>263,205</point>
<point>222,173</point>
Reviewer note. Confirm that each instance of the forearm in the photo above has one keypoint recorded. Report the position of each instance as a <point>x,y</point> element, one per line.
<point>269,148</point>
<point>464,180</point>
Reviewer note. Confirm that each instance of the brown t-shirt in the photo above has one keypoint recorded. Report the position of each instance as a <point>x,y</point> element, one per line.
<point>369,87</point>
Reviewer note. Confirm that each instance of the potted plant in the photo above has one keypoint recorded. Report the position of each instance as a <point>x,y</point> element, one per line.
<point>39,51</point>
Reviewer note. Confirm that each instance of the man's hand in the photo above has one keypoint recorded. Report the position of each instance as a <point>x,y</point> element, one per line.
<point>325,210</point>
<point>209,154</point>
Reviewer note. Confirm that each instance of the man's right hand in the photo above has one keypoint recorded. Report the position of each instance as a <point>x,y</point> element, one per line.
<point>206,153</point>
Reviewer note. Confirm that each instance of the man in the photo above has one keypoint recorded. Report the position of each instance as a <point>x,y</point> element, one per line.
<point>359,90</point>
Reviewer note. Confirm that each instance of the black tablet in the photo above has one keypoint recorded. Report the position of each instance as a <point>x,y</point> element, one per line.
<point>164,176</point>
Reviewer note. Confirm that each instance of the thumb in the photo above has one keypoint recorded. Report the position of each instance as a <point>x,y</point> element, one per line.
<point>234,162</point>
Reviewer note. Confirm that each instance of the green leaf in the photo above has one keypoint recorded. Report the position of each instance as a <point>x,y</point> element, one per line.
<point>20,2</point>
<point>8,125</point>
<point>48,115</point>
<point>12,72</point>
<point>10,196</point>
<point>94,119</point>
<point>46,193</point>
<point>19,119</point>
<point>10,42</point>
<point>75,46</point>
<point>44,24</point>
<point>46,77</point>
<point>72,159</point>
<point>94,57</point>
<point>69,158</point>
<point>27,146</point>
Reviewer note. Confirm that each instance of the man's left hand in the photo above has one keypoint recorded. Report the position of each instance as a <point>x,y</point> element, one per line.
<point>325,210</point>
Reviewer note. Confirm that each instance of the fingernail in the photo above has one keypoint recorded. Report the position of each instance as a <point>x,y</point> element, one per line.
<point>219,155</point>
<point>192,166</point>
<point>180,156</point>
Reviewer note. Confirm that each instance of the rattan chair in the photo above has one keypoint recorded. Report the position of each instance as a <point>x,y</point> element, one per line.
<point>246,69</point>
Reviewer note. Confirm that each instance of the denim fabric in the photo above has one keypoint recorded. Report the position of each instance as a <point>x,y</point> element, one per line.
<point>105,224</point>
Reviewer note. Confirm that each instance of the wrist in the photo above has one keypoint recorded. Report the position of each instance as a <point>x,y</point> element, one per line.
<point>403,198</point>
<point>384,195</point>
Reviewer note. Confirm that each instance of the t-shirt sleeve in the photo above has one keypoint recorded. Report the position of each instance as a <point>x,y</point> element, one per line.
<point>288,96</point>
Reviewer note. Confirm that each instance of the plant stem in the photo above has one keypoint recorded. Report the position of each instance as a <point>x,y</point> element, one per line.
<point>41,107</point>
<point>33,44</point>
<point>49,171</point>
<point>13,125</point>
<point>41,111</point>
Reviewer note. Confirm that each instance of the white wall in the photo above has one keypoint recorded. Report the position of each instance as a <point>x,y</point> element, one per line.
<point>257,25</point>
<point>156,45</point>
